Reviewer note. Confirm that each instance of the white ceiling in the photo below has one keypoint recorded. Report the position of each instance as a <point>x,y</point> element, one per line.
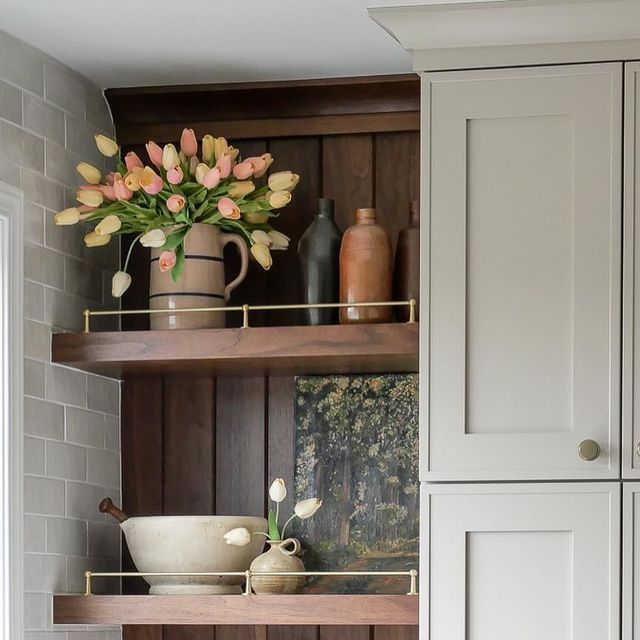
<point>147,42</point>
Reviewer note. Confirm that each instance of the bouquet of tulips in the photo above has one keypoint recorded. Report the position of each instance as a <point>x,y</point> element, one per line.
<point>160,202</point>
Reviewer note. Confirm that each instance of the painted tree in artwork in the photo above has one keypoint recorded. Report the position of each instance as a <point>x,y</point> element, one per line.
<point>356,448</point>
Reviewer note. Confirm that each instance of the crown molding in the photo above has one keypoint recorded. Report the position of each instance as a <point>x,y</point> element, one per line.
<point>514,32</point>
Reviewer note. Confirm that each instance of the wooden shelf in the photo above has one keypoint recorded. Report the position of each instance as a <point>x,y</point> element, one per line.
<point>237,610</point>
<point>373,348</point>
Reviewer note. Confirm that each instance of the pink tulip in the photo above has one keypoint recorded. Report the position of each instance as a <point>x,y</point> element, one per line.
<point>121,191</point>
<point>133,161</point>
<point>109,178</point>
<point>108,192</point>
<point>229,209</point>
<point>267,159</point>
<point>193,163</point>
<point>259,165</point>
<point>155,153</point>
<point>188,143</point>
<point>167,260</point>
<point>224,165</point>
<point>150,181</point>
<point>211,178</point>
<point>175,175</point>
<point>175,203</point>
<point>243,170</point>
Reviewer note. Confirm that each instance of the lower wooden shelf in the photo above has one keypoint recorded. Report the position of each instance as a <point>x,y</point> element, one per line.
<point>237,610</point>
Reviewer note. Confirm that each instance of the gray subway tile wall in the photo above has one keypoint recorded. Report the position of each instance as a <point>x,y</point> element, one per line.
<point>48,116</point>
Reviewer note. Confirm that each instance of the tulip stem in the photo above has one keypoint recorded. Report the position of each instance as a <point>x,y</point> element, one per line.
<point>277,512</point>
<point>126,262</point>
<point>261,533</point>
<point>286,523</point>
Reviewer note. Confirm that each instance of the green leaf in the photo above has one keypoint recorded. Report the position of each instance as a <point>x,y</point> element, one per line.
<point>175,239</point>
<point>182,217</point>
<point>178,267</point>
<point>249,207</point>
<point>274,534</point>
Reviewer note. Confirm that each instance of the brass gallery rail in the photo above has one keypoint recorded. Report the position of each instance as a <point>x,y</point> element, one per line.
<point>412,574</point>
<point>246,308</point>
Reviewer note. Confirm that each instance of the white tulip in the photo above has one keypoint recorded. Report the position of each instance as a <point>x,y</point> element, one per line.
<point>278,490</point>
<point>120,283</point>
<point>239,537</point>
<point>261,236</point>
<point>154,238</point>
<point>306,508</point>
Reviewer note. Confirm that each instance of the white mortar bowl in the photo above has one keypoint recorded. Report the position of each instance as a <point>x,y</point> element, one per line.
<point>191,544</point>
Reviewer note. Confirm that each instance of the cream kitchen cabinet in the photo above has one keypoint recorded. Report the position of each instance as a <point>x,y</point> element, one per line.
<point>523,168</point>
<point>631,561</point>
<point>525,562</point>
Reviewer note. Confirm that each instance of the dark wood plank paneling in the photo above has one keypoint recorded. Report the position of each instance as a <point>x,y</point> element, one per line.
<point>339,632</point>
<point>348,174</point>
<point>240,465</point>
<point>189,476</point>
<point>397,179</point>
<point>302,156</point>
<point>269,109</point>
<point>291,632</point>
<point>401,632</point>
<point>141,444</point>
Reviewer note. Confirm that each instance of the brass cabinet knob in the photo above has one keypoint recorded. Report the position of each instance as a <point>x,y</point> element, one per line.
<point>588,450</point>
<point>638,448</point>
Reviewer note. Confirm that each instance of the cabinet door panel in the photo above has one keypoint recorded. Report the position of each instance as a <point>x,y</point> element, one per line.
<point>631,561</point>
<point>521,561</point>
<point>523,340</point>
<point>631,298</point>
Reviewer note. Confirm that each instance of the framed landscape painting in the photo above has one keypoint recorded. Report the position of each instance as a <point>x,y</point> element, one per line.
<point>356,448</point>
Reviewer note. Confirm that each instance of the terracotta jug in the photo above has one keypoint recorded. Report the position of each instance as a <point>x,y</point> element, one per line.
<point>406,273</point>
<point>281,557</point>
<point>365,269</point>
<point>202,283</point>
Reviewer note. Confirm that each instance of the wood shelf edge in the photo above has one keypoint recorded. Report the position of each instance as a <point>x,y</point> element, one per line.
<point>305,609</point>
<point>373,348</point>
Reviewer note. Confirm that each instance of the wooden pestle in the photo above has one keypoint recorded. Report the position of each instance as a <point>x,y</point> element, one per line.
<point>107,506</point>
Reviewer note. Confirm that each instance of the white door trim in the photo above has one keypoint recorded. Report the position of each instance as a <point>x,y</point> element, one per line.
<point>11,413</point>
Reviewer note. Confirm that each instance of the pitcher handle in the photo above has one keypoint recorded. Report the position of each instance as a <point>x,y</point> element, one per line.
<point>290,552</point>
<point>244,261</point>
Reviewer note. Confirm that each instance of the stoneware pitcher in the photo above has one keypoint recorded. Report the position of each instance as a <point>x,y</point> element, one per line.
<point>281,557</point>
<point>202,283</point>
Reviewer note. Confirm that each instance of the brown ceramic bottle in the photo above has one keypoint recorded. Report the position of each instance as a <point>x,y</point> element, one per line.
<point>406,273</point>
<point>365,269</point>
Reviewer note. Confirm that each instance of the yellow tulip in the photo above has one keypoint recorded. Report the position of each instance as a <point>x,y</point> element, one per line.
<point>241,189</point>
<point>278,241</point>
<point>256,217</point>
<point>170,158</point>
<point>201,172</point>
<point>262,254</point>
<point>132,180</point>
<point>260,237</point>
<point>220,147</point>
<point>89,172</point>
<point>279,199</point>
<point>208,148</point>
<point>94,240</point>
<point>283,181</point>
<point>106,146</point>
<point>90,197</point>
<point>108,225</point>
<point>233,152</point>
<point>68,216</point>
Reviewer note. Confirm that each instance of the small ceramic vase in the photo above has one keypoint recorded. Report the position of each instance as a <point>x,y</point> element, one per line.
<point>280,557</point>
